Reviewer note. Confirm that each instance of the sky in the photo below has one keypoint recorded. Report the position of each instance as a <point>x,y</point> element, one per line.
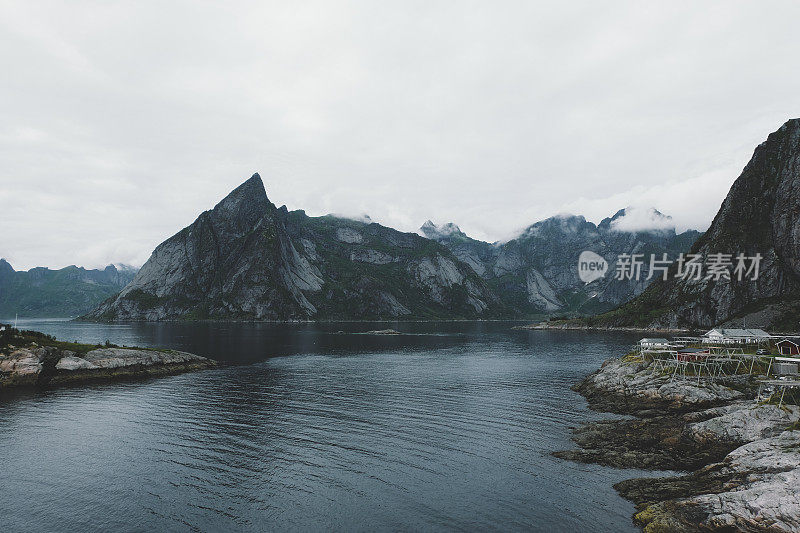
<point>123,121</point>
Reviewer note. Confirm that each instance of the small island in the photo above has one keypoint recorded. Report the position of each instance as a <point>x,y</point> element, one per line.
<point>34,359</point>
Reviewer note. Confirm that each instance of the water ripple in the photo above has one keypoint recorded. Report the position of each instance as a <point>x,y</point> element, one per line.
<point>450,432</point>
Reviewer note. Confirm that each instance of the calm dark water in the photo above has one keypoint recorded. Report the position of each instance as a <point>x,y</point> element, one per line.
<point>309,429</point>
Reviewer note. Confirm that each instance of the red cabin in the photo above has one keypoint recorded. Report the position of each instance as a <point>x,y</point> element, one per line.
<point>692,354</point>
<point>787,347</point>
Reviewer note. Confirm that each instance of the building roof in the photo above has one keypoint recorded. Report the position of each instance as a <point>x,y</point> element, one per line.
<point>786,340</point>
<point>732,332</point>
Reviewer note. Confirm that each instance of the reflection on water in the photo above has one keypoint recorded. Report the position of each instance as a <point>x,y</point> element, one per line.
<point>447,429</point>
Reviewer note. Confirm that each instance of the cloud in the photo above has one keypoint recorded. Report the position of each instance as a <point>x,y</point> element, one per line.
<point>643,219</point>
<point>118,130</point>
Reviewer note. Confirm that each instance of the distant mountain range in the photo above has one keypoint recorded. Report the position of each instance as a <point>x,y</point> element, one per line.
<point>67,292</point>
<point>248,259</point>
<point>537,271</point>
<point>760,216</point>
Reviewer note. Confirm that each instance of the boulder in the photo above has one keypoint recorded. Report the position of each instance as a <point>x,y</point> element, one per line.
<point>71,362</point>
<point>22,363</point>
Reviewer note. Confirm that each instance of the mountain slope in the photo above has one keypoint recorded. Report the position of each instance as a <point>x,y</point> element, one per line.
<point>67,292</point>
<point>760,215</point>
<point>537,271</point>
<point>247,259</point>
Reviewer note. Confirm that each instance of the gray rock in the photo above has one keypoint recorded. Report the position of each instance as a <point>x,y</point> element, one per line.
<point>349,236</point>
<point>371,256</point>
<point>247,259</point>
<point>759,483</point>
<point>22,363</point>
<point>49,365</point>
<point>760,215</point>
<point>745,423</point>
<point>111,358</point>
<point>538,270</point>
<point>540,293</point>
<point>633,386</point>
<point>70,362</point>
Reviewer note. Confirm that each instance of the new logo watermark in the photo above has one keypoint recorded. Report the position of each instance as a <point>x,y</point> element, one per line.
<point>695,267</point>
<point>591,266</point>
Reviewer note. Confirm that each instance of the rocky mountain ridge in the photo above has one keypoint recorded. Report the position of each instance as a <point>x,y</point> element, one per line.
<point>66,292</point>
<point>537,271</point>
<point>759,217</point>
<point>248,259</point>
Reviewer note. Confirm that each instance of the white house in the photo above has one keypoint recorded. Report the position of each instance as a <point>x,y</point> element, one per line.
<point>648,343</point>
<point>735,336</point>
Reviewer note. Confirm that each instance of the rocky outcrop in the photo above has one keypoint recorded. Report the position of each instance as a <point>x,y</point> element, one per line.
<point>744,423</point>
<point>632,387</point>
<point>44,366</point>
<point>743,456</point>
<point>22,366</point>
<point>537,272</point>
<point>371,256</point>
<point>754,488</point>
<point>247,259</point>
<point>760,215</point>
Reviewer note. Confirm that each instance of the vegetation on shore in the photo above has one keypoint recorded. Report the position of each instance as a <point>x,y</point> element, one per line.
<point>11,338</point>
<point>32,358</point>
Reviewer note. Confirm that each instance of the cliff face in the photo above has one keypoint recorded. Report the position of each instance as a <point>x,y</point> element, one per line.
<point>537,271</point>
<point>248,259</point>
<point>760,215</point>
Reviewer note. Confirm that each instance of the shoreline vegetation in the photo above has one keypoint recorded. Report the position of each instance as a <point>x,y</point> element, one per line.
<point>738,457</point>
<point>581,325</point>
<point>295,321</point>
<point>34,359</point>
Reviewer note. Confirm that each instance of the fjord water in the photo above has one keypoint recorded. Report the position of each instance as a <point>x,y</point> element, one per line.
<point>316,427</point>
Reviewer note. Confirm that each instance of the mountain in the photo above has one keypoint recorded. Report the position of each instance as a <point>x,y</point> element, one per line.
<point>248,259</point>
<point>67,292</point>
<point>537,271</point>
<point>760,215</point>
<point>446,231</point>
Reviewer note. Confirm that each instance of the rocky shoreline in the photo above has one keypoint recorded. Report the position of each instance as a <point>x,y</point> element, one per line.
<point>577,325</point>
<point>742,458</point>
<point>33,364</point>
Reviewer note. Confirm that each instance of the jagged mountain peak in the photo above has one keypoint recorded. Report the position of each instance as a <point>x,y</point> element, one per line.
<point>249,195</point>
<point>242,209</point>
<point>435,232</point>
<point>247,259</point>
<point>122,267</point>
<point>564,223</point>
<point>362,218</point>
<point>637,219</point>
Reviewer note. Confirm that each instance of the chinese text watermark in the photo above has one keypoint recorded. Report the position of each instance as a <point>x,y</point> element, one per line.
<point>694,267</point>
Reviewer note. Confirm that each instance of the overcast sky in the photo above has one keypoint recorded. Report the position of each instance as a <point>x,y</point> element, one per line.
<point>120,122</point>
